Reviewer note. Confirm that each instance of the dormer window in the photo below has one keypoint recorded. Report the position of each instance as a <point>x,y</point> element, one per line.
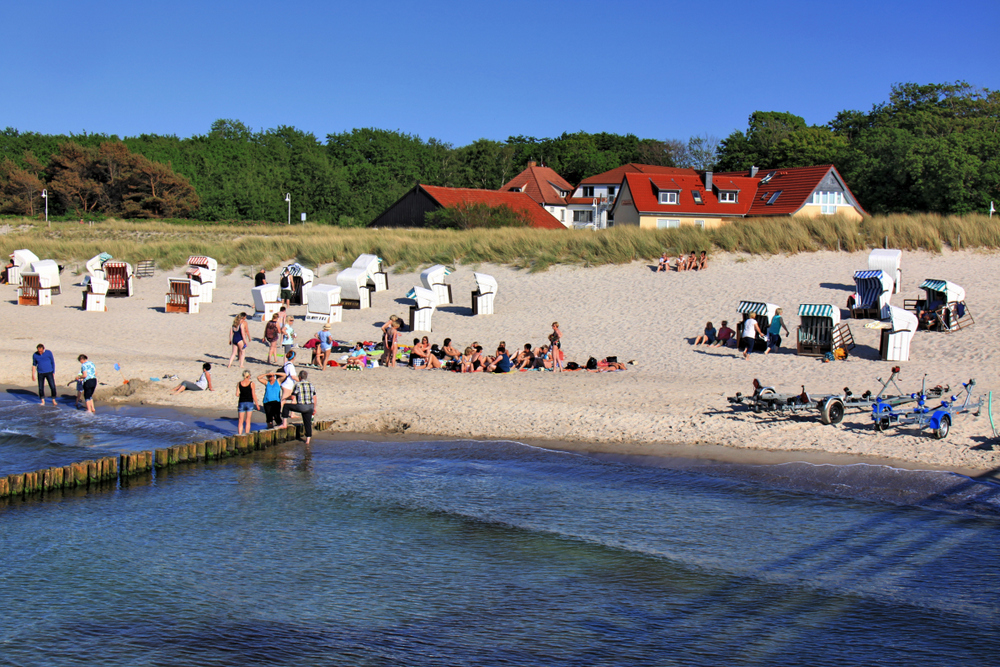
<point>669,197</point>
<point>727,196</point>
<point>588,191</point>
<point>515,189</point>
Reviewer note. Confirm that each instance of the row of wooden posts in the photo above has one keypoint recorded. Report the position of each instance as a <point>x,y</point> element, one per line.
<point>111,469</point>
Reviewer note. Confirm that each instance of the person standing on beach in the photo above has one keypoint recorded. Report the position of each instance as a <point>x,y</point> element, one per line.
<point>288,335</point>
<point>555,340</point>
<point>246,403</point>
<point>44,364</point>
<point>305,404</point>
<point>751,330</point>
<point>272,336</point>
<point>239,335</point>
<point>260,278</point>
<point>286,287</point>
<point>88,375</point>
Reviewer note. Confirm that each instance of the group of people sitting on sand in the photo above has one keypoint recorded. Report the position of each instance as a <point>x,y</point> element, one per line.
<point>474,359</point>
<point>692,262</point>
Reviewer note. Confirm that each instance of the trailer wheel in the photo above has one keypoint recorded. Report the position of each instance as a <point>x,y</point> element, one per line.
<point>882,425</point>
<point>832,412</point>
<point>941,432</point>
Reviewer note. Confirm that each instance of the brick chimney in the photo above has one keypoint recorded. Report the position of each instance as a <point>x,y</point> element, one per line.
<point>531,163</point>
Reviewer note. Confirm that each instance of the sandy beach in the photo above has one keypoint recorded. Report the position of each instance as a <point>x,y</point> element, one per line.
<point>675,394</point>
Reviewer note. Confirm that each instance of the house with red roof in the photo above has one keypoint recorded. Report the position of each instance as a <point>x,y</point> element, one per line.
<point>706,199</point>
<point>592,199</point>
<point>802,191</point>
<point>544,186</point>
<point>410,209</point>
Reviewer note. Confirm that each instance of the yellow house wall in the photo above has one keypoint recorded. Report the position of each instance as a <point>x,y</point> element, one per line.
<point>649,221</point>
<point>815,211</point>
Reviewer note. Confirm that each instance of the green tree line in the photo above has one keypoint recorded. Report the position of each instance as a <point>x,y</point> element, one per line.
<point>928,148</point>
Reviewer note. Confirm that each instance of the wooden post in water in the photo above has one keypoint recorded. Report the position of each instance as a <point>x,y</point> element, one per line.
<point>79,474</point>
<point>4,487</point>
<point>68,481</point>
<point>58,480</point>
<point>47,479</point>
<point>92,476</point>
<point>17,484</point>
<point>200,450</point>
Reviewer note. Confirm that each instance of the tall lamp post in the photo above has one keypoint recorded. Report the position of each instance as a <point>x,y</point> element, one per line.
<point>45,196</point>
<point>288,198</point>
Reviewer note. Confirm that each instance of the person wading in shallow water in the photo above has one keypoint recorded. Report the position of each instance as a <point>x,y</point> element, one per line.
<point>44,364</point>
<point>88,375</point>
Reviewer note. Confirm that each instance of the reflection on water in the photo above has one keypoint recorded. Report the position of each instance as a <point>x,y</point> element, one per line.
<point>483,553</point>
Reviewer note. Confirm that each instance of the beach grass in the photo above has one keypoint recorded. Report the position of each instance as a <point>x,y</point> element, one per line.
<point>268,245</point>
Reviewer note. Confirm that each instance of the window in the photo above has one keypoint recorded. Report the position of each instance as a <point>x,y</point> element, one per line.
<point>562,215</point>
<point>700,223</point>
<point>668,197</point>
<point>727,196</point>
<point>697,196</point>
<point>666,223</point>
<point>611,192</point>
<point>515,189</point>
<point>828,201</point>
<point>588,191</point>
<point>774,197</point>
<point>583,216</point>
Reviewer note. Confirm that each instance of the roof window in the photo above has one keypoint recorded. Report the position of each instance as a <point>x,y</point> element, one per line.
<point>697,196</point>
<point>767,178</point>
<point>774,197</point>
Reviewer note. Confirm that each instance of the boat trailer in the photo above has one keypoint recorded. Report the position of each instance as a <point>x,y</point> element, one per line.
<point>938,419</point>
<point>831,407</point>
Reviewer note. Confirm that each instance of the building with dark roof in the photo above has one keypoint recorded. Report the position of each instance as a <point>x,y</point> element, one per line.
<point>410,209</point>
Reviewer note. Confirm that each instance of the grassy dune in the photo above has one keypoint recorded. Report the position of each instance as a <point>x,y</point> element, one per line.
<point>269,245</point>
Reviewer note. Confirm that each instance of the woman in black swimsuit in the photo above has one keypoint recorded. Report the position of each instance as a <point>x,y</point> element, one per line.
<point>239,334</point>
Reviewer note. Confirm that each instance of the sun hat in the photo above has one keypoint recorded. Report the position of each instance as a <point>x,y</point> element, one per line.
<point>326,327</point>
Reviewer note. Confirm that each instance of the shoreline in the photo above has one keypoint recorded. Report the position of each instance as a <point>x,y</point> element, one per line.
<point>646,454</point>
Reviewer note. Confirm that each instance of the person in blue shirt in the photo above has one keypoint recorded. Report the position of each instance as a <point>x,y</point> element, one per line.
<point>43,365</point>
<point>272,397</point>
<point>774,331</point>
<point>88,375</point>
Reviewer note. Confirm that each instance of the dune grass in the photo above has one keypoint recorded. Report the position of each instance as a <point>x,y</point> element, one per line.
<point>270,245</point>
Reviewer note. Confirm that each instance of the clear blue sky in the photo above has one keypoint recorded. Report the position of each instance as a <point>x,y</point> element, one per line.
<point>458,71</point>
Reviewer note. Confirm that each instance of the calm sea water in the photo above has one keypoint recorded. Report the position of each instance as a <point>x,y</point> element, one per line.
<point>483,553</point>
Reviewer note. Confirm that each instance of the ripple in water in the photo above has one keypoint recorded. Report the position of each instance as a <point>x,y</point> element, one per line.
<point>473,553</point>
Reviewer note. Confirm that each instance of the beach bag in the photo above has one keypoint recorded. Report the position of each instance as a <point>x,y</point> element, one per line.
<point>591,364</point>
<point>612,360</point>
<point>840,354</point>
<point>572,366</point>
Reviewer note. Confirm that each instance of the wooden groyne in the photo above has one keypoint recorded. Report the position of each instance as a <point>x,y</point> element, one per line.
<point>113,469</point>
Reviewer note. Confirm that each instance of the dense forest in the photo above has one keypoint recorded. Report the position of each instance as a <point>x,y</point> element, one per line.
<point>929,148</point>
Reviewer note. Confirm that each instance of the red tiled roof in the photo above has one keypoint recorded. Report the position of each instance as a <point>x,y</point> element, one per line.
<point>519,201</point>
<point>645,200</point>
<point>796,185</point>
<point>615,176</point>
<point>541,184</point>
